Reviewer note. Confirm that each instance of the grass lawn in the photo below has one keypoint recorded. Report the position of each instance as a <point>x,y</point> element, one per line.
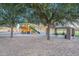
<point>77,33</point>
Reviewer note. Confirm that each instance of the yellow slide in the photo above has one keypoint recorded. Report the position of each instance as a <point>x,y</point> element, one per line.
<point>25,29</point>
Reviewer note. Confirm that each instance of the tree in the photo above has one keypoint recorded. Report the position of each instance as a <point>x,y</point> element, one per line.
<point>48,14</point>
<point>10,12</point>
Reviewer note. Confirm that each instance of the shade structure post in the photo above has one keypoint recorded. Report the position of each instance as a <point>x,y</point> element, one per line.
<point>55,31</point>
<point>73,32</point>
<point>68,33</point>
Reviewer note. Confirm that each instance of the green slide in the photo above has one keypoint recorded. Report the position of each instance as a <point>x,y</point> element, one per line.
<point>34,30</point>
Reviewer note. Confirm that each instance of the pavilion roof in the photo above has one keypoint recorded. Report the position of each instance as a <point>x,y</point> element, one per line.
<point>73,25</point>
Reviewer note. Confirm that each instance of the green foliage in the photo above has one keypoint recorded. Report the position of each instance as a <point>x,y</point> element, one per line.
<point>45,13</point>
<point>56,12</point>
<point>10,11</point>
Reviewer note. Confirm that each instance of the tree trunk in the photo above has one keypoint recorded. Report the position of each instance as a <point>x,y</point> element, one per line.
<point>48,32</point>
<point>11,31</point>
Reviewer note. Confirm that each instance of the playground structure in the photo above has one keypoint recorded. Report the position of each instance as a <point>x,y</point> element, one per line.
<point>25,28</point>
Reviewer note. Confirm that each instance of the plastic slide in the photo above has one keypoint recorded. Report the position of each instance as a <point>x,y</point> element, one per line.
<point>34,30</point>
